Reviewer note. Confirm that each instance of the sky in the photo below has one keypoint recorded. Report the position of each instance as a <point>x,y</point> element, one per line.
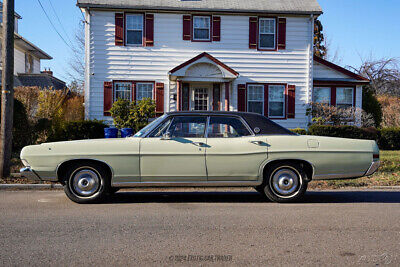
<point>356,29</point>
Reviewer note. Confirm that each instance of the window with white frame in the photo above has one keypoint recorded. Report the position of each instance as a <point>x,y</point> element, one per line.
<point>267,33</point>
<point>123,90</point>
<point>201,28</point>
<point>322,95</point>
<point>276,101</point>
<point>255,98</point>
<point>134,29</point>
<point>144,90</point>
<point>344,97</point>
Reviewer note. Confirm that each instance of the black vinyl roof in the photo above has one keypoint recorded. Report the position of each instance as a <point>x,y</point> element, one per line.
<point>254,120</point>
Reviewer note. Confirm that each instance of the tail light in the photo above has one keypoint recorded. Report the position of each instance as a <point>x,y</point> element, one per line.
<point>375,156</point>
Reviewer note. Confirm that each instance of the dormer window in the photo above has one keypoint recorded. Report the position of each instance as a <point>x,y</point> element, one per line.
<point>201,28</point>
<point>134,29</point>
<point>267,33</point>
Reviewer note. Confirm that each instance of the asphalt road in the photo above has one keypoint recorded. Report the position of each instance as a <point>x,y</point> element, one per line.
<point>206,227</point>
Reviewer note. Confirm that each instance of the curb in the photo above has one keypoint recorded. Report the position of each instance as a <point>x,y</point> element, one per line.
<point>30,186</point>
<point>386,187</point>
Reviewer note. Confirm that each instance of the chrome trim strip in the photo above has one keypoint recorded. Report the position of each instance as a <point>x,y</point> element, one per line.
<point>187,184</point>
<point>373,168</point>
<point>65,161</point>
<point>338,176</point>
<point>28,173</point>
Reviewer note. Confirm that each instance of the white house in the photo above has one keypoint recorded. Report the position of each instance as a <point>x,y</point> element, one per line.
<point>27,61</point>
<point>210,55</point>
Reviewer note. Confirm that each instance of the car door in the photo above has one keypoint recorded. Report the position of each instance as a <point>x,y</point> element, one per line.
<point>233,153</point>
<point>175,151</point>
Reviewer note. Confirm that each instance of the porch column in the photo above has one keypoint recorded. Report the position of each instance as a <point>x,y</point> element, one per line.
<point>227,96</point>
<point>178,95</point>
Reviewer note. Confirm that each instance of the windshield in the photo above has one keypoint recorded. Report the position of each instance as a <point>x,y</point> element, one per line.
<point>149,126</point>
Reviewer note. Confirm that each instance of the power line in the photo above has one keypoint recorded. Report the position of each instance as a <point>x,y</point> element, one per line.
<point>59,21</point>
<point>62,38</point>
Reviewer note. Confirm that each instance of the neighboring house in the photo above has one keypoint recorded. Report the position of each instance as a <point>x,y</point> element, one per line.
<point>210,55</point>
<point>27,57</point>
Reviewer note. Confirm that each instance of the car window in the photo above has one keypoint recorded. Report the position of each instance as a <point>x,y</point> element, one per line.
<point>145,130</point>
<point>161,129</point>
<point>226,127</point>
<point>188,126</point>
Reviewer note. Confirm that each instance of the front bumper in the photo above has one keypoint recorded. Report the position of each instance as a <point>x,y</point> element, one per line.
<point>28,173</point>
<point>373,168</point>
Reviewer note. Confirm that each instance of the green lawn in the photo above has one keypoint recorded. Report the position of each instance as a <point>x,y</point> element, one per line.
<point>387,175</point>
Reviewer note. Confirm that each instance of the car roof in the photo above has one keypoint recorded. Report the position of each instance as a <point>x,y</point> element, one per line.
<point>254,120</point>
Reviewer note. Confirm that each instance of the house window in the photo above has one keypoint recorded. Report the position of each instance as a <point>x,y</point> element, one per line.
<point>201,28</point>
<point>344,97</point>
<point>123,90</point>
<point>267,33</point>
<point>144,90</point>
<point>134,29</point>
<point>255,98</point>
<point>276,101</point>
<point>322,95</point>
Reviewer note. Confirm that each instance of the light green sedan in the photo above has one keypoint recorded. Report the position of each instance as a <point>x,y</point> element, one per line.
<point>201,149</point>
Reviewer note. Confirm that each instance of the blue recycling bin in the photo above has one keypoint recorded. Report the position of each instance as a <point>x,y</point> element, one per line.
<point>110,132</point>
<point>126,132</point>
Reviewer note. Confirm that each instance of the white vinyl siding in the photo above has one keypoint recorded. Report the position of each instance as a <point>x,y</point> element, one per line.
<point>108,62</point>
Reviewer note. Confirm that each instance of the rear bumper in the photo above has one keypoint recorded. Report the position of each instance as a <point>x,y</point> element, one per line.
<point>28,173</point>
<point>373,168</point>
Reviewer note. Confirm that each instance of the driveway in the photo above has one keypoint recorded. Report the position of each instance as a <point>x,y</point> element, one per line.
<point>208,226</point>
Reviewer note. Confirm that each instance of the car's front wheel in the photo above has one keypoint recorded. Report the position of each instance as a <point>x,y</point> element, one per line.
<point>86,183</point>
<point>284,182</point>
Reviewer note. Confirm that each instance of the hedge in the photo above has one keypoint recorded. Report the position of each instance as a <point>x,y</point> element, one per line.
<point>77,130</point>
<point>387,138</point>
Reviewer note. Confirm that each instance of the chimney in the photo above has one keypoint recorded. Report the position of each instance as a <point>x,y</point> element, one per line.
<point>48,71</point>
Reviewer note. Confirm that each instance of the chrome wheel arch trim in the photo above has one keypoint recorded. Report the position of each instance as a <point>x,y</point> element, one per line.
<point>268,161</point>
<point>90,159</point>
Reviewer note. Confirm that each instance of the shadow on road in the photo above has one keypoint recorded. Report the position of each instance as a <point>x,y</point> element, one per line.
<point>254,197</point>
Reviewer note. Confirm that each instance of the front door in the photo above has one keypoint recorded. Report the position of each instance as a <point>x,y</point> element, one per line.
<point>175,152</point>
<point>233,154</point>
<point>200,99</point>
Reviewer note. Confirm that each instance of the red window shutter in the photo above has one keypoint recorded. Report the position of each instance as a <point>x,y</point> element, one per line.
<point>108,98</point>
<point>119,29</point>
<point>133,91</point>
<point>253,28</point>
<point>187,27</point>
<point>281,33</point>
<point>216,28</point>
<point>266,100</point>
<point>242,97</point>
<point>149,26</point>
<point>159,95</point>
<point>291,100</point>
<point>333,96</point>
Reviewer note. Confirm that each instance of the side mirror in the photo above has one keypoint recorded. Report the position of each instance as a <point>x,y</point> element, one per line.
<point>166,136</point>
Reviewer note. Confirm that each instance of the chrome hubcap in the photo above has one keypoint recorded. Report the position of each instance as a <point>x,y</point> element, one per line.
<point>86,182</point>
<point>285,182</point>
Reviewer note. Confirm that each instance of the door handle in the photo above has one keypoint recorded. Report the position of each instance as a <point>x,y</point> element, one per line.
<point>257,142</point>
<point>198,144</point>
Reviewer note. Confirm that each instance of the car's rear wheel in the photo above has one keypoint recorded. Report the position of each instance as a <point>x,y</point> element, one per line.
<point>86,183</point>
<point>285,182</point>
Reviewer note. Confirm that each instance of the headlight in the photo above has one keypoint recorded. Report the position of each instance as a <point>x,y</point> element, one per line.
<point>26,164</point>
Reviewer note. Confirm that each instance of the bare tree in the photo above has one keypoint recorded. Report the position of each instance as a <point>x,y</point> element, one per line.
<point>76,64</point>
<point>384,75</point>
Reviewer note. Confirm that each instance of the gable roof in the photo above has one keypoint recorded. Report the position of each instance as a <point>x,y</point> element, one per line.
<point>351,76</point>
<point>42,80</point>
<point>252,6</point>
<point>206,55</point>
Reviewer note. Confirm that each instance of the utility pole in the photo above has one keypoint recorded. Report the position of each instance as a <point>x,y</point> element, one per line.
<point>7,88</point>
